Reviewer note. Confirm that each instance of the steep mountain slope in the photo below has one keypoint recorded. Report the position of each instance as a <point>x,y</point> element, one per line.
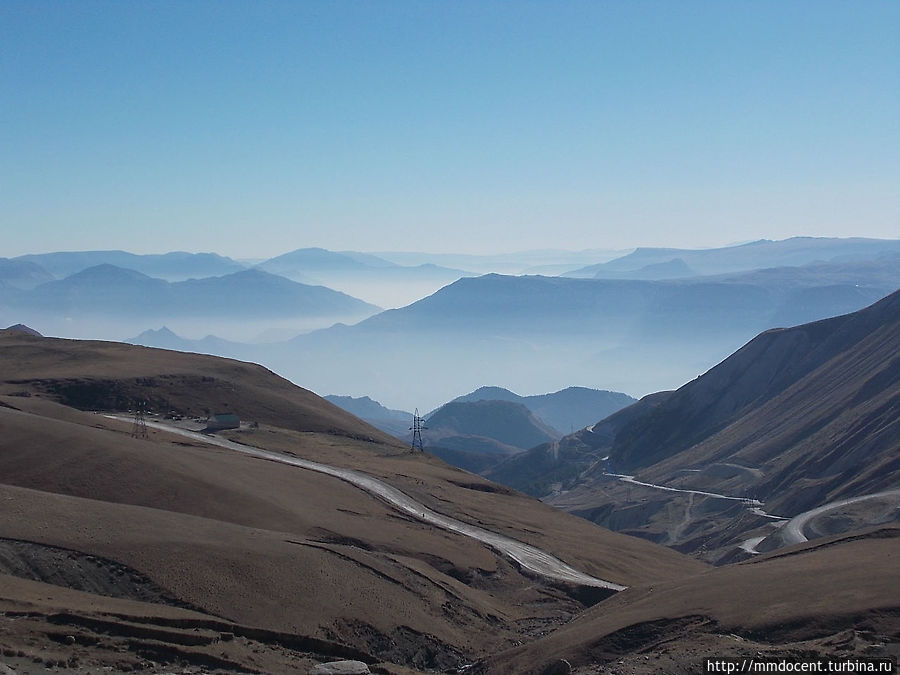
<point>797,418</point>
<point>556,465</point>
<point>167,521</point>
<point>858,352</point>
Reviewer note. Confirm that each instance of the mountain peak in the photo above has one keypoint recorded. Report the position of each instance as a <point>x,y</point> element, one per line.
<point>22,328</point>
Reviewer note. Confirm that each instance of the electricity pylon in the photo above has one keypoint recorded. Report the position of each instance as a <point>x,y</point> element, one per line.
<point>139,428</point>
<point>417,428</point>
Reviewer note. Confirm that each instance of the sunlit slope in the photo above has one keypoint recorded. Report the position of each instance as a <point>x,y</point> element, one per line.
<point>268,545</point>
<point>94,375</point>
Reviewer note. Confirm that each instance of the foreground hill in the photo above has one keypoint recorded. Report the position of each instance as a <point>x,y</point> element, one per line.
<point>92,375</point>
<point>798,418</point>
<point>835,598</point>
<point>129,544</point>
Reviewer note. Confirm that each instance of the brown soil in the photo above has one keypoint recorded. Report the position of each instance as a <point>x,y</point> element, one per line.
<point>834,597</point>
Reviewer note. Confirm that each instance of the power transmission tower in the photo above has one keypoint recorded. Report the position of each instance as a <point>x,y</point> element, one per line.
<point>417,428</point>
<point>139,428</point>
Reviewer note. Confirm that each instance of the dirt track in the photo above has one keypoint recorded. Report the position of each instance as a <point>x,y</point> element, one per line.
<point>531,558</point>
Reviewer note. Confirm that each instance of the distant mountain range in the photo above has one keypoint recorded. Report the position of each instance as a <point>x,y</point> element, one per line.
<point>110,290</point>
<point>508,423</point>
<point>544,333</point>
<point>111,302</point>
<point>478,430</point>
<point>645,263</point>
<point>542,261</point>
<point>22,274</point>
<point>568,409</point>
<point>394,422</point>
<point>797,418</point>
<point>164,338</point>
<point>529,333</point>
<point>361,274</point>
<point>175,266</point>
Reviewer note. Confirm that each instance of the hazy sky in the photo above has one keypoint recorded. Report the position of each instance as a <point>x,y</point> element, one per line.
<point>253,128</point>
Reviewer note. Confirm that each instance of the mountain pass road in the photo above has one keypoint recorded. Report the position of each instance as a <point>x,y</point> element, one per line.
<point>792,532</point>
<point>529,557</point>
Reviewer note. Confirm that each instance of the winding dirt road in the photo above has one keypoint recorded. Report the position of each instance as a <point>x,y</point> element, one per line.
<point>529,557</point>
<point>792,532</point>
<point>714,495</point>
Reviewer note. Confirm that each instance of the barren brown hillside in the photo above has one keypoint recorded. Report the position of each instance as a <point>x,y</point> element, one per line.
<point>305,566</point>
<point>835,597</point>
<point>94,375</point>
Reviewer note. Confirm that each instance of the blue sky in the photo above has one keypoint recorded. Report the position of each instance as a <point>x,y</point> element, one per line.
<point>253,128</point>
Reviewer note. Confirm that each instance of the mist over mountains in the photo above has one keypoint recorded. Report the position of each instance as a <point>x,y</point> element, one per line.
<point>364,275</point>
<point>545,333</point>
<point>760,254</point>
<point>529,333</point>
<point>791,435</point>
<point>105,298</point>
<point>174,266</point>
